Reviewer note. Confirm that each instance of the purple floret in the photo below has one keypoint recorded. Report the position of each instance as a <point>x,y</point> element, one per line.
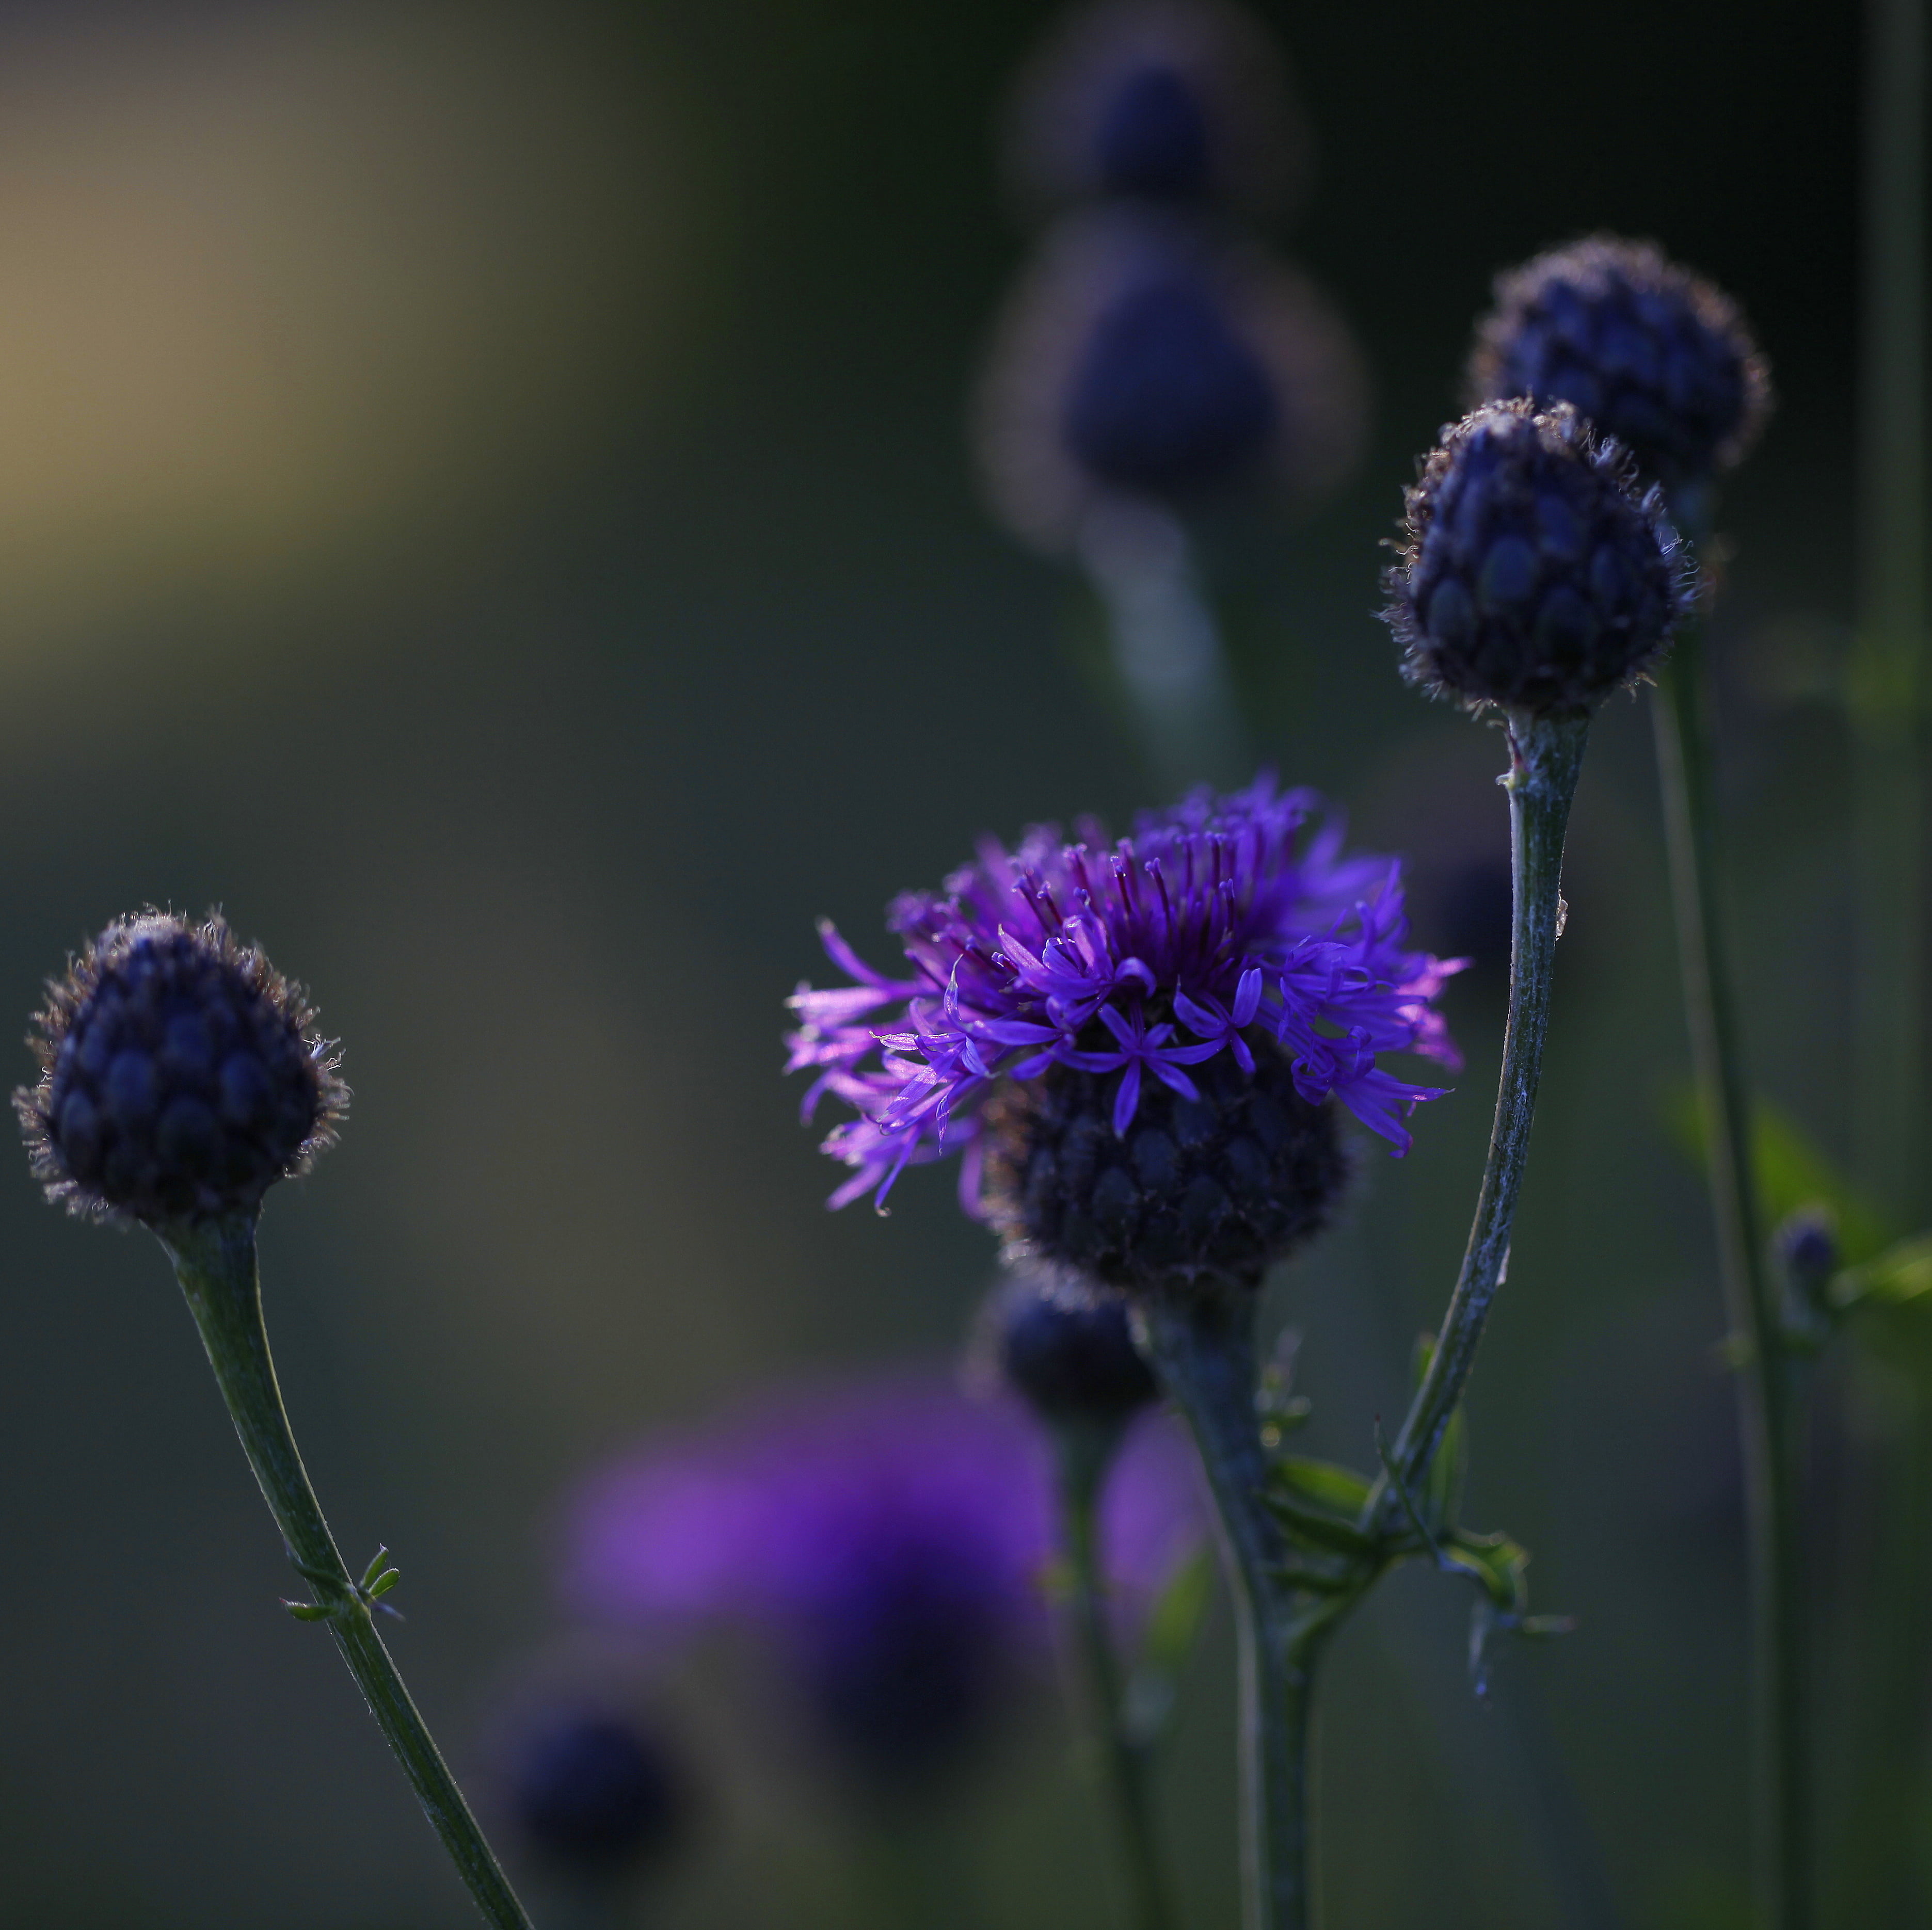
<point>1216,923</point>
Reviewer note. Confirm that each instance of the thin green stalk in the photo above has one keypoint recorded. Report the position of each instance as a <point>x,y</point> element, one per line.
<point>1546,759</point>
<point>1084,1456</point>
<point>215,1264</point>
<point>1887,691</point>
<point>1879,1876</point>
<point>1202,1347</point>
<point>1767,1384</point>
<point>1166,645</point>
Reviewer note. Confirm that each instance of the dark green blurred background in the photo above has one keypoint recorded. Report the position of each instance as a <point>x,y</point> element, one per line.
<point>483,498</point>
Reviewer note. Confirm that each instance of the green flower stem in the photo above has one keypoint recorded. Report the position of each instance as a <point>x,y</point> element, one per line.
<point>1888,681</point>
<point>1767,1381</point>
<point>1545,758</point>
<point>1202,1347</point>
<point>215,1264</point>
<point>1085,1454</point>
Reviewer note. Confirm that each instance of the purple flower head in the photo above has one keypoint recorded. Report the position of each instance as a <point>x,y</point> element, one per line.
<point>887,1538</point>
<point>1199,991</point>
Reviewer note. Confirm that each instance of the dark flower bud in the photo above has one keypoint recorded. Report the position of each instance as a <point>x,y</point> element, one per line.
<point>1209,1190</point>
<point>1809,1255</point>
<point>1652,354</point>
<point>907,1686</point>
<point>1533,574</point>
<point>593,1792</point>
<point>1065,1347</point>
<point>1141,357</point>
<point>1166,398</point>
<point>1152,137</point>
<point>176,1081</point>
<point>1808,1244</point>
<point>1171,100</point>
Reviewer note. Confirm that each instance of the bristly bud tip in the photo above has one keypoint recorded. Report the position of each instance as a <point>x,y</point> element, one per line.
<point>178,1079</point>
<point>1534,573</point>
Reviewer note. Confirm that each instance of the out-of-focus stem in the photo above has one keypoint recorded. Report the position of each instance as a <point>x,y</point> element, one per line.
<point>1767,1381</point>
<point>1888,689</point>
<point>1084,1456</point>
<point>1881,1876</point>
<point>1166,647</point>
<point>215,1264</point>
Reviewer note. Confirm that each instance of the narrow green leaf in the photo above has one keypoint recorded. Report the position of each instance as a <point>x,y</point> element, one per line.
<point>1792,1173</point>
<point>1442,1493</point>
<point>1498,1563</point>
<point>1546,1628</point>
<point>1899,1276</point>
<point>1177,1613</point>
<point>1324,1482</point>
<point>1172,1629</point>
<point>1313,1581</point>
<point>1321,1531</point>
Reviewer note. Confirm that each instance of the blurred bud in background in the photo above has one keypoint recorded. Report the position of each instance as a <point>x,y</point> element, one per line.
<point>884,1542</point>
<point>1155,365</point>
<point>1179,102</point>
<point>1146,356</point>
<point>1063,1345</point>
<point>585,1778</point>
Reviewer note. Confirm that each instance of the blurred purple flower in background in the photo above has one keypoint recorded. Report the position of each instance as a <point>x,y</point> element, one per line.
<point>887,1538</point>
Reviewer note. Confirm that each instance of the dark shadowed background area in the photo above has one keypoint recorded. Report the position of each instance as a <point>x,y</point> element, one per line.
<point>483,499</point>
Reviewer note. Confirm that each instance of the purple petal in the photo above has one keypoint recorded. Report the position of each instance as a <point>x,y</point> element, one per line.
<point>1173,1077</point>
<point>1248,996</point>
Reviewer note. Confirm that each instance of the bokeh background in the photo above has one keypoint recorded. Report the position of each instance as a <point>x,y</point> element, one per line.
<point>484,499</point>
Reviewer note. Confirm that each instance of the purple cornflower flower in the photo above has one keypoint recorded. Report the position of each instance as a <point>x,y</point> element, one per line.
<point>1217,932</point>
<point>889,1538</point>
